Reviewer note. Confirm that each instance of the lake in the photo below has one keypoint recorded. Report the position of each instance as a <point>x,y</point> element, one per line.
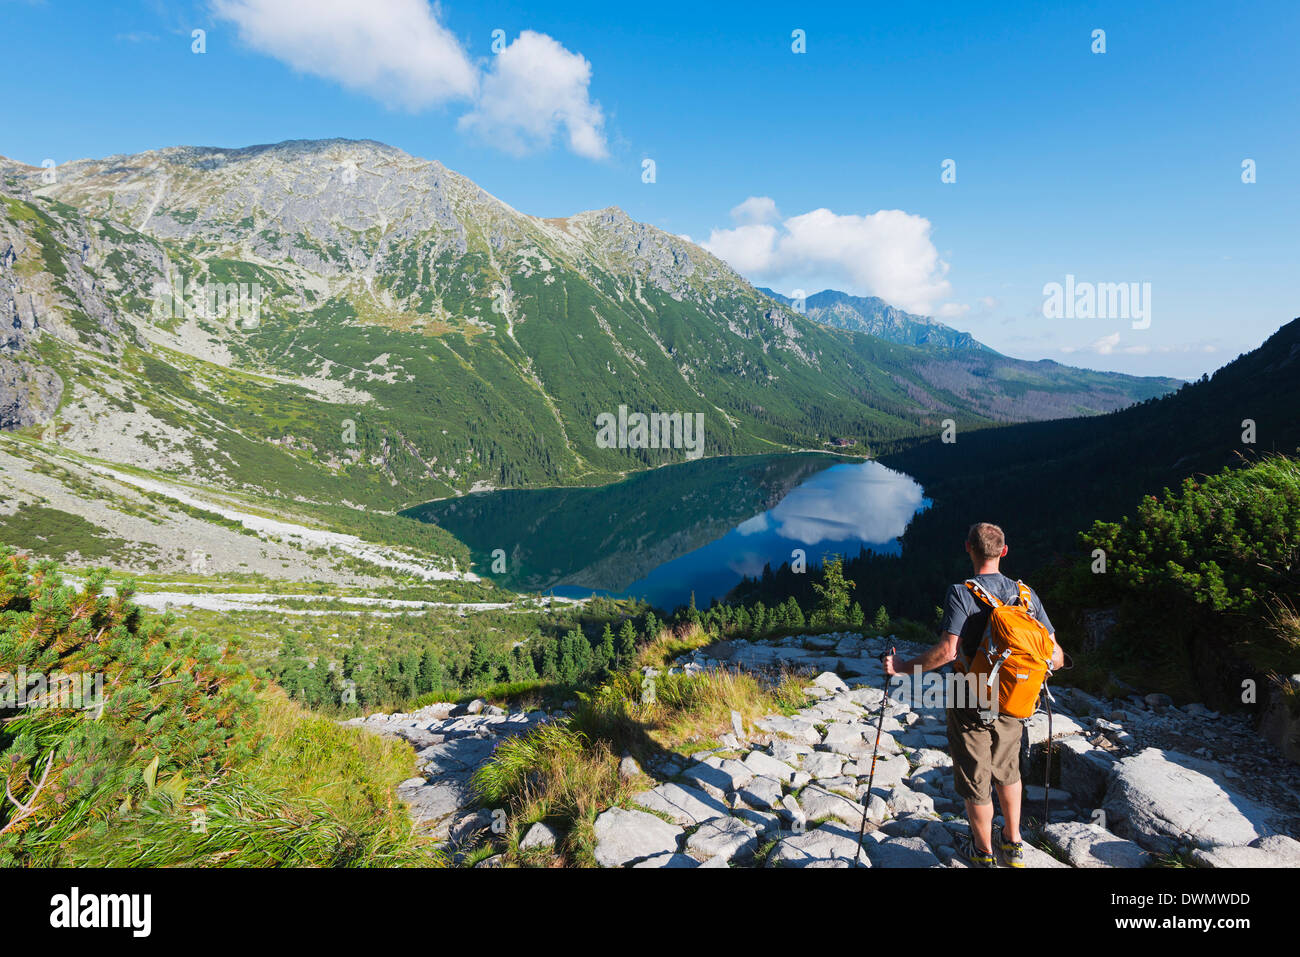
<point>698,526</point>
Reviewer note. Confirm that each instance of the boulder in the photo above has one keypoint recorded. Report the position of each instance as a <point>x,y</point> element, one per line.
<point>761,792</point>
<point>937,836</point>
<point>539,835</point>
<point>791,752</point>
<point>902,852</point>
<point>931,758</point>
<point>625,837</point>
<point>823,764</point>
<point>433,803</point>
<point>902,800</point>
<point>889,770</point>
<point>628,768</point>
<point>726,837</point>
<point>867,696</point>
<point>831,682</point>
<point>1088,845</point>
<point>909,825</point>
<point>1036,729</point>
<point>793,728</point>
<point>1164,799</point>
<point>831,844</point>
<point>818,804</point>
<point>726,774</point>
<point>683,804</point>
<point>1085,770</point>
<point>765,764</point>
<point>765,822</point>
<point>1276,850</point>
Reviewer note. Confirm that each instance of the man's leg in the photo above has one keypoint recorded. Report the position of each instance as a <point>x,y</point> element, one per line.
<point>970,744</point>
<point>980,817</point>
<point>1007,733</point>
<point>1009,801</point>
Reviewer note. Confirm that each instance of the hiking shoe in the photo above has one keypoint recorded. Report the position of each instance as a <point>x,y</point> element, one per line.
<point>973,856</point>
<point>1013,852</point>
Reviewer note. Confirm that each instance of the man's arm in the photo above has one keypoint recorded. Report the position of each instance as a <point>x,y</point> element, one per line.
<point>936,656</point>
<point>1058,654</point>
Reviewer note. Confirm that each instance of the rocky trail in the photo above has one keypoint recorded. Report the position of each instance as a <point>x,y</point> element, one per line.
<point>1140,781</point>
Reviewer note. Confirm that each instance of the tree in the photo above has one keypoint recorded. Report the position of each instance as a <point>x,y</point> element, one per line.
<point>793,613</point>
<point>833,594</point>
<point>550,659</point>
<point>432,676</point>
<point>520,667</point>
<point>626,644</point>
<point>880,621</point>
<point>605,653</point>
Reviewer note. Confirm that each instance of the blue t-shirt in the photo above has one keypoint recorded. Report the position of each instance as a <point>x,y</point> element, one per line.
<point>966,616</point>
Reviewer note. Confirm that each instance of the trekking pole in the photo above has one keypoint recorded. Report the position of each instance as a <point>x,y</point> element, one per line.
<point>1047,782</point>
<point>866,799</point>
<point>1066,665</point>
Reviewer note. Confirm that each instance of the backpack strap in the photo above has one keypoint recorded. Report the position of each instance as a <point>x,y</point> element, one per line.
<point>980,592</point>
<point>1026,600</point>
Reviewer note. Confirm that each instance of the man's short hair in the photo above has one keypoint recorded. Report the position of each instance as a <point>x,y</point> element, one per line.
<point>986,540</point>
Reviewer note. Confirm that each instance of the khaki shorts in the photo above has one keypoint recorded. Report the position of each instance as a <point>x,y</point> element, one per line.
<point>983,754</point>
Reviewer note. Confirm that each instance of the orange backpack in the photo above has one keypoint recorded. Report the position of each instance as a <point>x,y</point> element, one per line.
<point>1016,653</point>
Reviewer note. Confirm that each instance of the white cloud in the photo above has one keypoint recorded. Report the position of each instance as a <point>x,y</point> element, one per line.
<point>393,50</point>
<point>399,53</point>
<point>1110,345</point>
<point>870,502</point>
<point>756,209</point>
<point>749,249</point>
<point>887,253</point>
<point>535,88</point>
<point>1106,344</point>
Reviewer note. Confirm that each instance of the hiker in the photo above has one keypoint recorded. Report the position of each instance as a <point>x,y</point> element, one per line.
<point>986,746</point>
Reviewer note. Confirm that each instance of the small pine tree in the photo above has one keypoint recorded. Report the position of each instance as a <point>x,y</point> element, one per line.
<point>605,652</point>
<point>794,614</point>
<point>626,647</point>
<point>432,675</point>
<point>833,593</point>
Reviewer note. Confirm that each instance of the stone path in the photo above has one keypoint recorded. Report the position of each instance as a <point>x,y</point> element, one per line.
<point>450,742</point>
<point>790,791</point>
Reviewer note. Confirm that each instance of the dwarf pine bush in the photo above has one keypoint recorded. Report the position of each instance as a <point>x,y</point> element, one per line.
<point>1227,542</point>
<point>1198,576</point>
<point>175,710</point>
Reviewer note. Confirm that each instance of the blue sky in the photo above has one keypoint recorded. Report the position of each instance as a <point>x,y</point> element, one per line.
<point>1115,167</point>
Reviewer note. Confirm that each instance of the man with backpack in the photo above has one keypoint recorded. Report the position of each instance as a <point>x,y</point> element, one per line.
<point>996,631</point>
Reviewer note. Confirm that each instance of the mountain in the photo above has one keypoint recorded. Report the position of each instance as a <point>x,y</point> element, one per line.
<point>962,365</point>
<point>337,325</point>
<point>878,318</point>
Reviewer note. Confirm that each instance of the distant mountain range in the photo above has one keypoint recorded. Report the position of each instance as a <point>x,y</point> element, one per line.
<point>337,322</point>
<point>876,317</point>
